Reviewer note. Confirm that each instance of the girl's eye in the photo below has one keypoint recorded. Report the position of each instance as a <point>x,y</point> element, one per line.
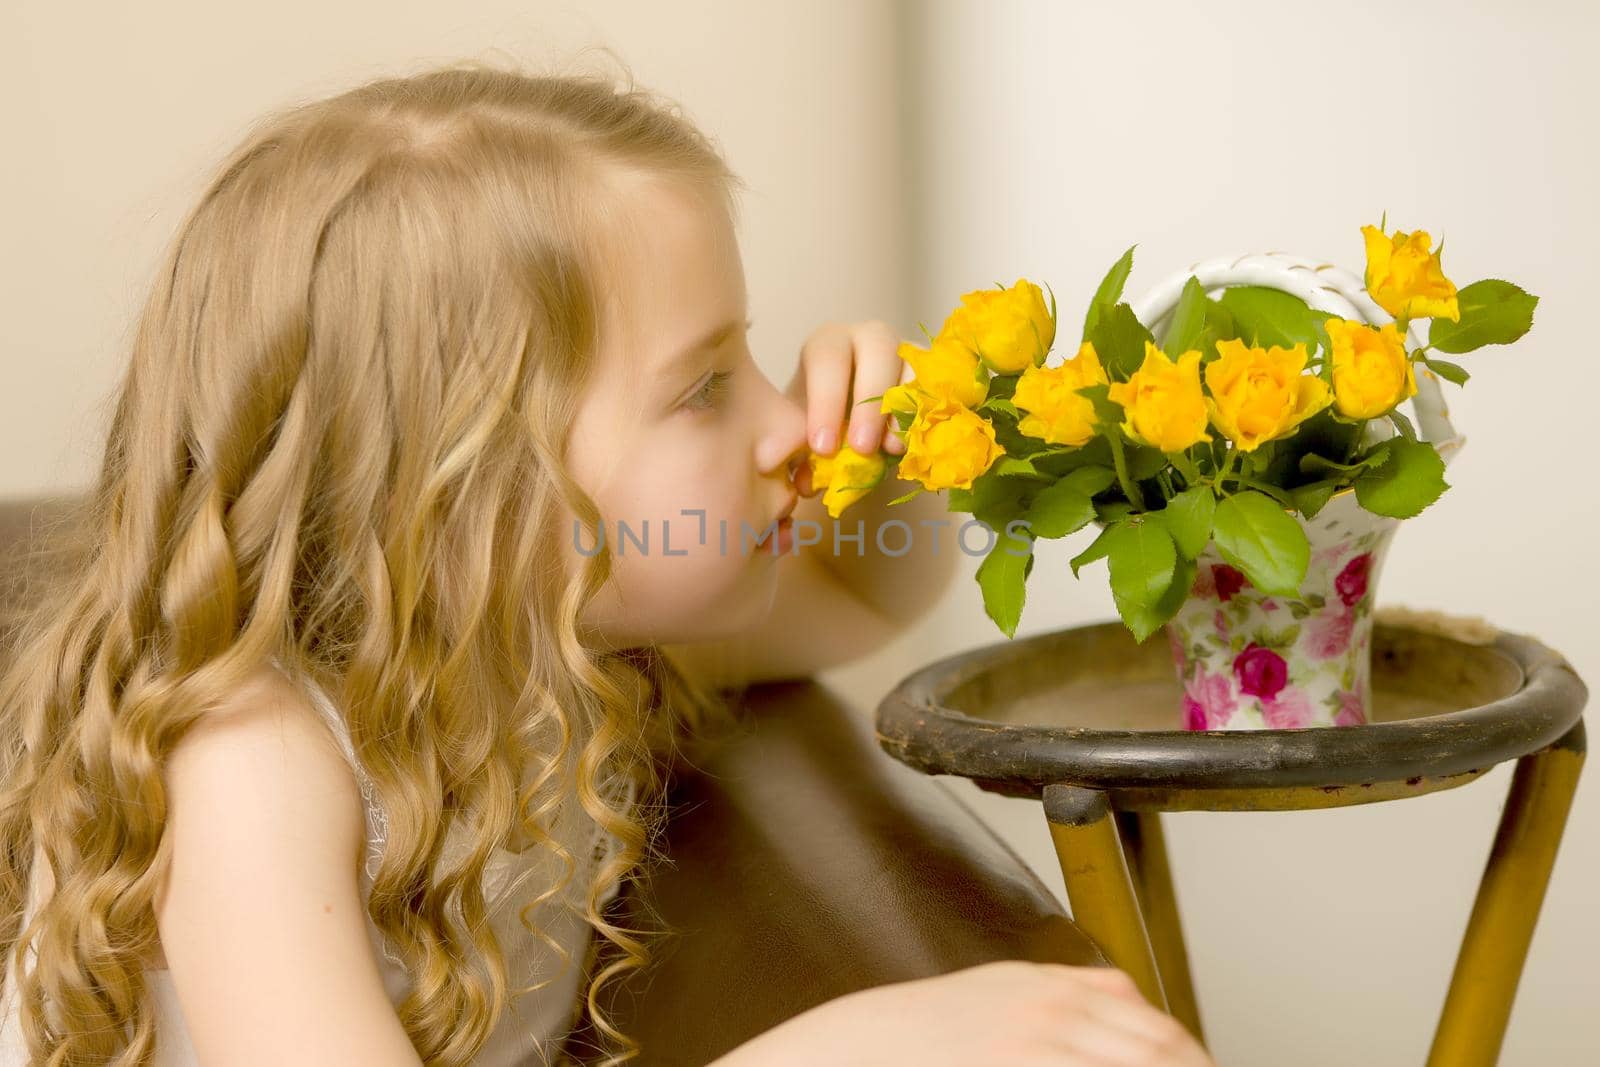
<point>711,394</point>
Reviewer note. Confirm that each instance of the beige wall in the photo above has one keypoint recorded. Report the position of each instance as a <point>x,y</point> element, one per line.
<point>1054,135</point>
<point>1029,139</point>
<point>113,120</point>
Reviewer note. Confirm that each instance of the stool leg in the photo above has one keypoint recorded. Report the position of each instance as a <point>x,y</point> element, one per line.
<point>1099,886</point>
<point>1477,1007</point>
<point>1145,843</point>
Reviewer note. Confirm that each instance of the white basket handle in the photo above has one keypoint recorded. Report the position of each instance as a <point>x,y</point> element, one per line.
<point>1324,287</point>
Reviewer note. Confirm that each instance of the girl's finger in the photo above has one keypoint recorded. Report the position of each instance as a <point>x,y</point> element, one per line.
<point>1105,1046</point>
<point>1112,980</point>
<point>877,367</point>
<point>825,361</point>
<point>1135,1018</point>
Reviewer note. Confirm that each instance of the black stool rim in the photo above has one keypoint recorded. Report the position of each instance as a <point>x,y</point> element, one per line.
<point>914,728</point>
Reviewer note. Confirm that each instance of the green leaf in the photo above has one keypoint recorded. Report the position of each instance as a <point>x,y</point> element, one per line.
<point>1403,424</point>
<point>1143,561</point>
<point>902,499</point>
<point>1002,387</point>
<point>1266,316</point>
<point>1097,550</point>
<point>1450,372</point>
<point>1144,621</point>
<point>1112,510</point>
<point>958,499</point>
<point>1311,498</point>
<point>1108,414</point>
<point>1493,312</point>
<point>1144,462</point>
<point>1188,318</point>
<point>1412,479</point>
<point>1119,339</point>
<point>1002,576</point>
<point>1090,480</point>
<point>1000,403</point>
<point>1066,506</point>
<point>996,501</point>
<point>1283,499</point>
<point>1260,538</point>
<point>1311,463</point>
<point>1219,327</point>
<point>1013,465</point>
<point>1109,293</point>
<point>1188,518</point>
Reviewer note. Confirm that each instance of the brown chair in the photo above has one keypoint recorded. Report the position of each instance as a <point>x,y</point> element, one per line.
<point>804,864</point>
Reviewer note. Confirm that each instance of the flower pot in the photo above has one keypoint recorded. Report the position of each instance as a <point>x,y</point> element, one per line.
<point>1249,661</point>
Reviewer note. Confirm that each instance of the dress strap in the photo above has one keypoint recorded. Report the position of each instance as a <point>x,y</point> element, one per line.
<point>377,820</point>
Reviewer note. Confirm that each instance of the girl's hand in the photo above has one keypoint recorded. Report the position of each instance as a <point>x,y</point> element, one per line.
<point>1011,1012</point>
<point>842,365</point>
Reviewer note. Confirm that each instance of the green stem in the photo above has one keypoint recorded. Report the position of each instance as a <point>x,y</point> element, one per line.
<point>1186,466</point>
<point>1129,489</point>
<point>1355,438</point>
<point>1227,468</point>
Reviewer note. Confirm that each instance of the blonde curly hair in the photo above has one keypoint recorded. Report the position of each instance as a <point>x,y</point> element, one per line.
<point>339,445</point>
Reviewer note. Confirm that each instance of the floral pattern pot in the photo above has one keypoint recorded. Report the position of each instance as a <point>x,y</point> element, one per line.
<point>1249,661</point>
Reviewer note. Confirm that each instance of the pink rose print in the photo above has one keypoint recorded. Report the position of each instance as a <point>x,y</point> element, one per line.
<point>1327,557</point>
<point>1328,633</point>
<point>1219,622</point>
<point>1350,711</point>
<point>1261,671</point>
<point>1290,709</point>
<point>1352,581</point>
<point>1229,581</point>
<point>1269,605</point>
<point>1209,700</point>
<point>1204,586</point>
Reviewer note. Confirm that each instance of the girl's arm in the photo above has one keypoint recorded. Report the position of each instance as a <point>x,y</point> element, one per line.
<point>260,914</point>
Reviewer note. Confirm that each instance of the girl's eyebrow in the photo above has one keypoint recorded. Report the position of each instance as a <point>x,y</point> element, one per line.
<point>711,340</point>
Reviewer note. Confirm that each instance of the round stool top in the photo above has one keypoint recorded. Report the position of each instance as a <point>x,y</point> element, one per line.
<point>1090,706</point>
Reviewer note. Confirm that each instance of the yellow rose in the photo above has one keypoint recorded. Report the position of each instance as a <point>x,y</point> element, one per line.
<point>1405,278</point>
<point>846,476</point>
<point>1010,329</point>
<point>1163,402</point>
<point>947,446</point>
<point>1371,372</point>
<point>1057,413</point>
<point>905,398</point>
<point>1261,394</point>
<point>945,368</point>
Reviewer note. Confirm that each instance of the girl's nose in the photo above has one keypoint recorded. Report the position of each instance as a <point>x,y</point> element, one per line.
<point>781,440</point>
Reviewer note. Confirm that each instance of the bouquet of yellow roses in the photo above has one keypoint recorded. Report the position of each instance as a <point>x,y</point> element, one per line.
<point>1251,409</point>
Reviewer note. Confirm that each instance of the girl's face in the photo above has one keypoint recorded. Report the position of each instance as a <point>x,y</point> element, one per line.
<point>679,421</point>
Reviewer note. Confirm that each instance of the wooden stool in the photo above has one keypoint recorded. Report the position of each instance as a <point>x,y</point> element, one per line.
<point>1084,719</point>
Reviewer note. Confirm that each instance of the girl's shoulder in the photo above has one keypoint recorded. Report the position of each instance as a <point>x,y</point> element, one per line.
<point>267,751</point>
<point>267,735</point>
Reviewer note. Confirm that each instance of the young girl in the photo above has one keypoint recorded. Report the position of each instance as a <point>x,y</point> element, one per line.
<point>328,738</point>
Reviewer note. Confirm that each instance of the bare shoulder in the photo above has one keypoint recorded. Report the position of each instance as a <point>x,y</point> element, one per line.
<point>264,760</point>
<point>259,910</point>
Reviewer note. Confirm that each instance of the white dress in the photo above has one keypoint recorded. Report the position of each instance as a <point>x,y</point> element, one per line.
<point>533,1025</point>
